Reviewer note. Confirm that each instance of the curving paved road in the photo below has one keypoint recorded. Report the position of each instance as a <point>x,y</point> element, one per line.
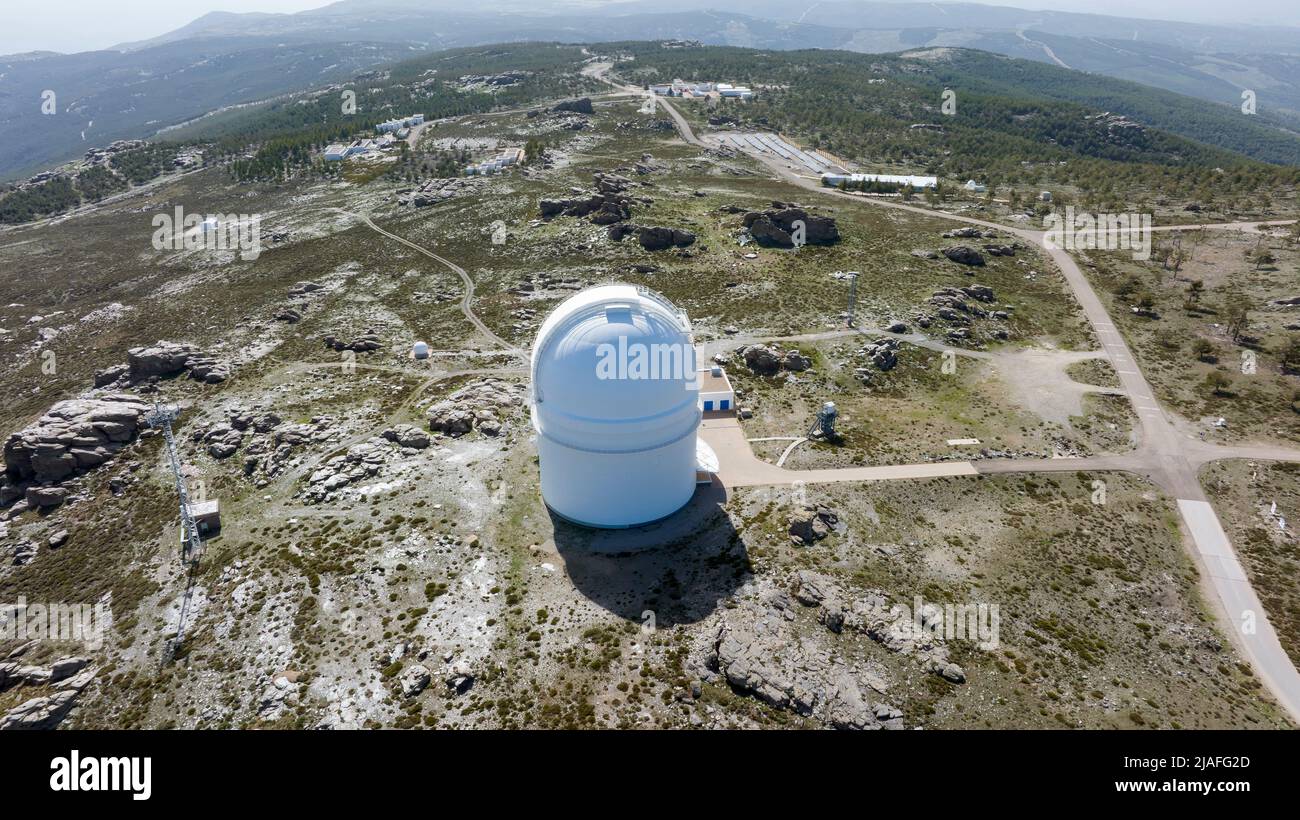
<point>1166,457</point>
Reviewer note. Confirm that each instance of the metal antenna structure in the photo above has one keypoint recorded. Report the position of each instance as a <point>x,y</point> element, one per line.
<point>853,294</point>
<point>162,417</point>
<point>825,423</point>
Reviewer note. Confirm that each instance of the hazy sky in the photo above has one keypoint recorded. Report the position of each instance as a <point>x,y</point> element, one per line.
<point>81,25</point>
<point>84,25</point>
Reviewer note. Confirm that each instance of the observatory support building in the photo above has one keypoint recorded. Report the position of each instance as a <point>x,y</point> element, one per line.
<point>615,403</point>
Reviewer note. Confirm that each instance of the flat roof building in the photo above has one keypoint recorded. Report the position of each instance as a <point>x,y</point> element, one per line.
<point>716,393</point>
<point>506,158</point>
<point>399,123</point>
<point>833,180</point>
<point>207,515</point>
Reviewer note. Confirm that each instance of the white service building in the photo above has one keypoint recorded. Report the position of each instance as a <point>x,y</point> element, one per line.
<point>615,403</point>
<point>399,123</point>
<point>833,180</point>
<point>716,393</point>
<point>503,160</point>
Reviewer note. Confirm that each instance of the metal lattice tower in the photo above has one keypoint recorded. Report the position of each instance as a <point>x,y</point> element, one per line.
<point>825,423</point>
<point>853,294</point>
<point>163,417</point>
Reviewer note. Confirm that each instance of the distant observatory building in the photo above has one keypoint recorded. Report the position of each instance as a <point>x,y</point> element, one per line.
<point>615,402</point>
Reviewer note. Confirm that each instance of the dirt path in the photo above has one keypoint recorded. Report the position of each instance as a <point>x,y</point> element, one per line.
<point>466,301</point>
<point>1051,55</point>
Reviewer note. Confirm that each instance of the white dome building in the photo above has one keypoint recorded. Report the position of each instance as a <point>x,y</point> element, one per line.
<point>615,402</point>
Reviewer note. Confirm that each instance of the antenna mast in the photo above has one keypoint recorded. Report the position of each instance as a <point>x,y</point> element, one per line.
<point>853,294</point>
<point>163,417</point>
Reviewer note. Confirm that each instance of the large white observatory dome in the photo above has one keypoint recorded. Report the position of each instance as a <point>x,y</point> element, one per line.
<point>615,401</point>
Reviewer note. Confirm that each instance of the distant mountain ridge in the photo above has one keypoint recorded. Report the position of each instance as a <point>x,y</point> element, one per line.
<point>1214,62</point>
<point>384,16</point>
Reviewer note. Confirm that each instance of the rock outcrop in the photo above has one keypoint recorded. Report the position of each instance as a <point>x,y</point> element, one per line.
<point>414,678</point>
<point>407,435</point>
<point>157,360</point>
<point>757,650</point>
<point>73,436</point>
<point>68,676</point>
<point>883,353</point>
<point>479,405</point>
<point>39,713</point>
<point>223,441</point>
<point>896,627</point>
<point>776,227</point>
<point>364,343</point>
<point>440,189</point>
<point>970,232</point>
<point>811,524</point>
<point>608,205</point>
<point>305,287</point>
<point>459,677</point>
<point>161,360</point>
<point>111,375</point>
<point>361,461</point>
<point>207,369</point>
<point>768,360</point>
<point>965,255</point>
<point>582,105</point>
<point>656,238</point>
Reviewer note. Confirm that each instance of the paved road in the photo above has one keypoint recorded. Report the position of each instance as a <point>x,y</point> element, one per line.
<point>1165,456</point>
<point>1246,227</point>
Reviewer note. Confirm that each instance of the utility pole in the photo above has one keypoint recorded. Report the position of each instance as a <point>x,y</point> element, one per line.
<point>162,417</point>
<point>853,294</point>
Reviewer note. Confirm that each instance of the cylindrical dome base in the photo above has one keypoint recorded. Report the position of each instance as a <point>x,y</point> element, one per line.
<point>617,490</point>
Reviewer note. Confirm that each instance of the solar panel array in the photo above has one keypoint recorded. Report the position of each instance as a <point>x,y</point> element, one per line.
<point>772,144</point>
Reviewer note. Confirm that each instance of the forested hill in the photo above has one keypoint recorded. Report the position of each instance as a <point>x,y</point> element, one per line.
<point>284,138</point>
<point>1021,105</point>
<point>288,134</point>
<point>1221,126</point>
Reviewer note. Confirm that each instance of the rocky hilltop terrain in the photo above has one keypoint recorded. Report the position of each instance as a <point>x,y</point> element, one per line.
<point>352,421</point>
